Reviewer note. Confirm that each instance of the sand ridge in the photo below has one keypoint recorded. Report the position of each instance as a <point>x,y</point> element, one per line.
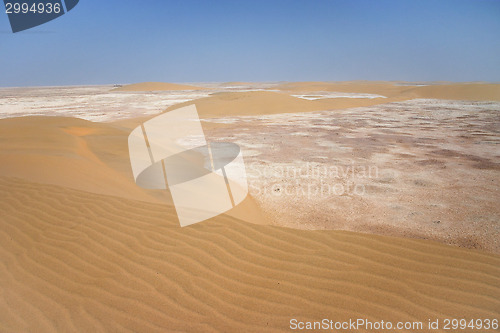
<point>156,86</point>
<point>279,100</point>
<point>456,91</point>
<point>82,155</point>
<point>269,102</point>
<point>63,151</point>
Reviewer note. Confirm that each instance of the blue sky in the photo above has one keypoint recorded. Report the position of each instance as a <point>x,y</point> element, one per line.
<point>122,41</point>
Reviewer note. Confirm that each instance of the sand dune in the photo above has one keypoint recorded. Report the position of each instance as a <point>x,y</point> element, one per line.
<point>268,102</point>
<point>82,155</point>
<point>84,249</point>
<point>69,152</point>
<point>457,91</point>
<point>156,86</point>
<point>471,92</point>
<point>76,261</point>
<point>387,89</point>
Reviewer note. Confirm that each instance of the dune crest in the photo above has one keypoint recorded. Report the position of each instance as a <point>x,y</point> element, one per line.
<point>387,89</point>
<point>462,91</point>
<point>83,155</point>
<point>69,152</point>
<point>269,102</point>
<point>156,86</point>
<point>455,91</point>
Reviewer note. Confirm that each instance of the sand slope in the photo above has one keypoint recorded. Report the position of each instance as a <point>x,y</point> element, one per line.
<point>457,91</point>
<point>268,102</point>
<point>156,86</point>
<point>387,89</point>
<point>76,261</point>
<point>69,152</point>
<point>472,92</point>
<point>82,155</point>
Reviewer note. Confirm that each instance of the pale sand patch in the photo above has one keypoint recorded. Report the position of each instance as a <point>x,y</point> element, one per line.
<point>324,95</point>
<point>95,103</point>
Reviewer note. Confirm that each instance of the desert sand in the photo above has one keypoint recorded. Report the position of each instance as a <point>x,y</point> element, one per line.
<point>456,91</point>
<point>83,248</point>
<point>270,102</point>
<point>156,86</point>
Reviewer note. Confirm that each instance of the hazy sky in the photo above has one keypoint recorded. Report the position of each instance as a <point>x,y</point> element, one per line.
<point>122,41</point>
